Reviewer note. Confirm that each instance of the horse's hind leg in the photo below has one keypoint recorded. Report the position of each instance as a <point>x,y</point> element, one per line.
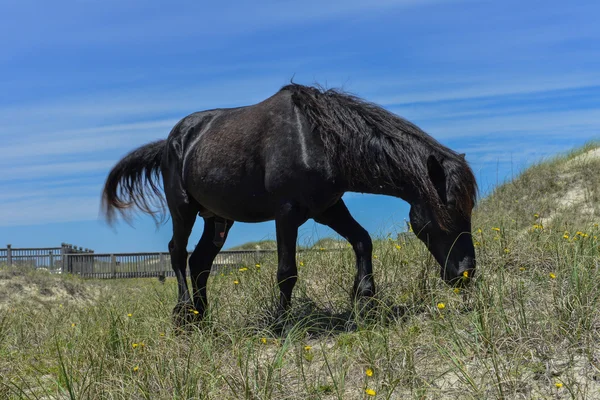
<point>338,218</point>
<point>183,222</point>
<point>212,240</point>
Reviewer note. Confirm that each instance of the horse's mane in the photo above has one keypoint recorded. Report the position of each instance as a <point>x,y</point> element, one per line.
<point>365,140</point>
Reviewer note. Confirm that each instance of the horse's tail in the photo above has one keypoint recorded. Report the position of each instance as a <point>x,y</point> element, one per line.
<point>134,182</point>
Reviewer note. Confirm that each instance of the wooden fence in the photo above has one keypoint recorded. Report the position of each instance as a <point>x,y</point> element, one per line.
<point>50,258</point>
<point>86,263</point>
<point>140,265</point>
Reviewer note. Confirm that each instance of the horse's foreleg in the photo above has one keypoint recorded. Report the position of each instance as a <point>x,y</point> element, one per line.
<point>338,218</point>
<point>212,240</point>
<point>288,219</point>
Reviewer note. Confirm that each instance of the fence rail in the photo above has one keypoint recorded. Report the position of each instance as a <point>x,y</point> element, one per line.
<point>139,265</point>
<point>86,263</point>
<point>50,258</point>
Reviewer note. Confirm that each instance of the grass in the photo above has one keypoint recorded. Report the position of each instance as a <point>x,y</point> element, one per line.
<point>528,327</point>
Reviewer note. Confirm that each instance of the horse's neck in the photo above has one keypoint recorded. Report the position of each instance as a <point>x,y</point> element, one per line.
<point>404,190</point>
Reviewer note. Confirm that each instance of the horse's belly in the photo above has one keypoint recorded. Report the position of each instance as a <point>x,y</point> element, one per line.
<point>238,204</point>
<point>245,193</point>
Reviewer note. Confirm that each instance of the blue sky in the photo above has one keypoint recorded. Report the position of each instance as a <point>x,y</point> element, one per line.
<point>84,82</point>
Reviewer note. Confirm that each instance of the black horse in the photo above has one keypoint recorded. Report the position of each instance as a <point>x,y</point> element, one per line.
<point>289,158</point>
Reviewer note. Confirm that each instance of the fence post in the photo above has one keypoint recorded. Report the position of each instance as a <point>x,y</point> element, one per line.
<point>63,258</point>
<point>162,273</point>
<point>113,263</point>
<point>67,265</point>
<point>51,262</point>
<point>8,255</point>
<point>68,248</point>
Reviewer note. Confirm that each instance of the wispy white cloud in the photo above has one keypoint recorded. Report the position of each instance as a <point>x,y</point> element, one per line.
<point>55,194</point>
<point>99,108</point>
<point>54,170</point>
<point>84,141</point>
<point>555,124</point>
<point>492,88</point>
<point>135,22</point>
<point>44,210</point>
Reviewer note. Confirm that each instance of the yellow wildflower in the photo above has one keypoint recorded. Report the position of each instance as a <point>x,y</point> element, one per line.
<point>466,274</point>
<point>134,345</point>
<point>243,269</point>
<point>196,312</point>
<point>73,325</point>
<point>476,244</point>
<point>322,248</point>
<point>552,275</point>
<point>496,229</point>
<point>558,385</point>
<point>398,247</point>
<point>369,372</point>
<point>130,315</point>
<point>236,282</point>
<point>161,334</point>
<point>441,306</point>
<point>257,265</point>
<point>136,368</point>
<point>479,230</point>
<point>301,264</point>
<point>565,236</point>
<point>507,251</point>
<point>522,269</point>
<point>375,256</point>
<point>263,340</point>
<point>536,215</point>
<point>307,347</point>
<point>370,392</point>
<point>457,290</point>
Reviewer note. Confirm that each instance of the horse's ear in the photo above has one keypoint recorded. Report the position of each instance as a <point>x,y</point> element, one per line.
<point>462,155</point>
<point>437,176</point>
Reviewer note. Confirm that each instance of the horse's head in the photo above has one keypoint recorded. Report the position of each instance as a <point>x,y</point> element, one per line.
<point>449,241</point>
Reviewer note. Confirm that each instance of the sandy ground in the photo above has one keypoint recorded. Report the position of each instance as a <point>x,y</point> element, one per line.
<point>23,285</point>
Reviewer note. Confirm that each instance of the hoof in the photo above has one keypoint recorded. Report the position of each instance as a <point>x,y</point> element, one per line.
<point>365,308</point>
<point>281,320</point>
<point>186,316</point>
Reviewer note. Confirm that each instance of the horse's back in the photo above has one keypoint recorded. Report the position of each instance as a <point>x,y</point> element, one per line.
<point>240,163</point>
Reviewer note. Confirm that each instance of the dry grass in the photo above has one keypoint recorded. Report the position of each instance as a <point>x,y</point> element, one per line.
<point>527,328</point>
